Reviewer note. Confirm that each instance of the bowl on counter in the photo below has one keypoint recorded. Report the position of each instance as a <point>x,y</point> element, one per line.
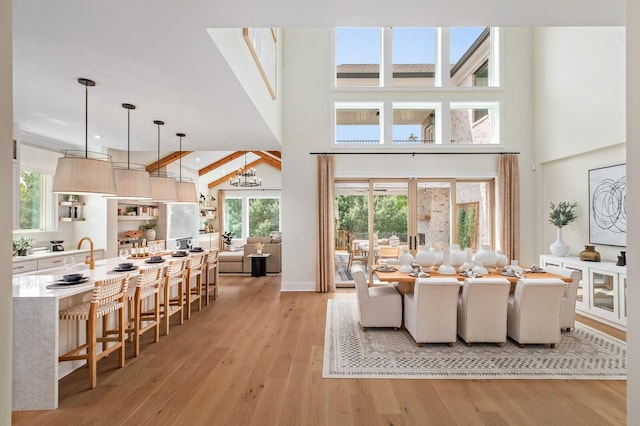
<point>72,277</point>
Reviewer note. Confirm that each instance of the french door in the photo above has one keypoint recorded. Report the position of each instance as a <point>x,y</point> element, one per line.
<point>372,214</point>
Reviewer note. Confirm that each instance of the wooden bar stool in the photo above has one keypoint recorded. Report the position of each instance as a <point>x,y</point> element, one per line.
<point>143,305</point>
<point>172,302</point>
<point>108,297</point>
<point>211,277</point>
<point>193,287</point>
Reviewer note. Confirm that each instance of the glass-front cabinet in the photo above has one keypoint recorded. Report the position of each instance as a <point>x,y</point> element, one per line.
<point>602,292</point>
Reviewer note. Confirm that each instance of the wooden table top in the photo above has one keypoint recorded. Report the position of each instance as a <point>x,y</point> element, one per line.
<point>406,281</point>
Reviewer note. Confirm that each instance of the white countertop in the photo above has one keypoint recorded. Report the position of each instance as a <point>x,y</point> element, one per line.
<point>48,254</point>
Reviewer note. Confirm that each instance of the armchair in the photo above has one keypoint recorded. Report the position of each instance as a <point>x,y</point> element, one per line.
<point>568,305</point>
<point>379,306</point>
<point>482,310</point>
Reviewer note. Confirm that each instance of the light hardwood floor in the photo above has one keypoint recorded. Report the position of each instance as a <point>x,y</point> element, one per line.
<point>254,357</point>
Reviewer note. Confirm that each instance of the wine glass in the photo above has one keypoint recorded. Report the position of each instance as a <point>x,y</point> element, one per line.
<point>69,263</point>
<point>189,243</point>
<point>178,245</point>
<point>153,249</point>
<point>124,254</point>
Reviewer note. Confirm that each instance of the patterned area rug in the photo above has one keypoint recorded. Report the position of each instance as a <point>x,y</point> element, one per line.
<point>349,352</point>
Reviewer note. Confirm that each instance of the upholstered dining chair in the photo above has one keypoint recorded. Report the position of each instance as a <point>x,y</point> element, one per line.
<point>379,306</point>
<point>482,310</point>
<point>143,305</point>
<point>430,312</point>
<point>568,305</point>
<point>533,314</point>
<point>108,297</point>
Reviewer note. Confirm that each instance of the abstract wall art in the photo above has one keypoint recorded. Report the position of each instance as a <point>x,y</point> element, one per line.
<point>608,206</point>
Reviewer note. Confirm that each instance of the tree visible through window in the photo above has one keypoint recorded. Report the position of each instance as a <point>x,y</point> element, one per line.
<point>233,216</point>
<point>264,216</point>
<point>30,198</point>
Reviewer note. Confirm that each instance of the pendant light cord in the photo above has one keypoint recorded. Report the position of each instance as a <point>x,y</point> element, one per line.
<point>86,121</point>
<point>159,123</point>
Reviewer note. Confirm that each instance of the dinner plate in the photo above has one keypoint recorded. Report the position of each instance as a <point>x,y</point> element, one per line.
<point>179,255</point>
<point>116,269</point>
<point>386,269</point>
<point>154,261</point>
<point>194,250</point>
<point>419,274</point>
<point>80,281</point>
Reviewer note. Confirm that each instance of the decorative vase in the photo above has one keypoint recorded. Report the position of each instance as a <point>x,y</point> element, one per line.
<point>501,260</point>
<point>479,269</point>
<point>258,251</point>
<point>468,263</point>
<point>622,259</point>
<point>23,252</point>
<point>150,234</point>
<point>590,254</point>
<point>439,257</point>
<point>425,258</point>
<point>486,256</point>
<point>457,256</point>
<point>406,260</point>
<point>559,247</point>
<point>446,268</point>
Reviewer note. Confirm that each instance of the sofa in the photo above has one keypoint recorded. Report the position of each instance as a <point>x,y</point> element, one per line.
<point>238,262</point>
<point>271,246</point>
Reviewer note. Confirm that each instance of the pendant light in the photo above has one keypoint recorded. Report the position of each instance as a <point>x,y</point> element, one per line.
<point>76,172</point>
<point>184,186</point>
<point>163,188</point>
<point>131,183</point>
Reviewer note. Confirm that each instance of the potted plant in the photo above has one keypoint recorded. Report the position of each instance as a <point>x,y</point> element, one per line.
<point>227,237</point>
<point>561,215</point>
<point>21,245</point>
<point>149,229</point>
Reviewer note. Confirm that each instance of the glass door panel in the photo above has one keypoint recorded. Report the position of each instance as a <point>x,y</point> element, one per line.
<point>433,214</point>
<point>582,297</point>
<point>390,219</point>
<point>473,211</point>
<point>604,293</point>
<point>352,229</point>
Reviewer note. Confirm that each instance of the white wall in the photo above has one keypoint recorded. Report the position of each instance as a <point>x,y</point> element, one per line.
<point>579,105</point>
<point>308,128</point>
<point>6,182</point>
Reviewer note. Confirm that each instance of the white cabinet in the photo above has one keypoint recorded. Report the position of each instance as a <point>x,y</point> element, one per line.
<point>209,241</point>
<point>602,290</point>
<point>24,266</point>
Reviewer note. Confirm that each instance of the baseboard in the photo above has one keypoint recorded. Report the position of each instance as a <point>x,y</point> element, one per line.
<point>298,286</point>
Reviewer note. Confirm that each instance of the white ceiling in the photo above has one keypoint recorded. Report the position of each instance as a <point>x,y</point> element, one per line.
<point>159,57</point>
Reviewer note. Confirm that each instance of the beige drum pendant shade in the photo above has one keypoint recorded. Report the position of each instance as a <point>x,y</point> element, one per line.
<point>186,192</point>
<point>84,176</point>
<point>133,184</point>
<point>163,189</point>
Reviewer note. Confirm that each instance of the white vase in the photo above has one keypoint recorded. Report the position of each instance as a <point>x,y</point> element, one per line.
<point>487,256</point>
<point>479,269</point>
<point>502,259</point>
<point>468,263</point>
<point>406,260</point>
<point>439,257</point>
<point>425,258</point>
<point>457,256</point>
<point>446,268</point>
<point>559,247</point>
<point>150,234</point>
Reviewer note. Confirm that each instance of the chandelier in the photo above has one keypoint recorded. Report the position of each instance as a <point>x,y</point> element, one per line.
<point>245,177</point>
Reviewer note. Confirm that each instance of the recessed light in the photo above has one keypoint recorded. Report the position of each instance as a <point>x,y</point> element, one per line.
<point>97,136</point>
<point>198,160</point>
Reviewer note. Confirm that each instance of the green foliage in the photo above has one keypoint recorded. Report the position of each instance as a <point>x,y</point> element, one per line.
<point>233,216</point>
<point>562,213</point>
<point>148,225</point>
<point>466,226</point>
<point>22,243</point>
<point>264,216</point>
<point>390,214</point>
<point>227,237</point>
<point>30,191</point>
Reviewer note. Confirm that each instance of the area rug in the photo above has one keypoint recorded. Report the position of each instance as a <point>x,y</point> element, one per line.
<point>382,353</point>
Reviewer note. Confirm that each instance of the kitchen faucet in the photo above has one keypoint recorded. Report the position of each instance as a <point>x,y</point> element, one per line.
<point>88,260</point>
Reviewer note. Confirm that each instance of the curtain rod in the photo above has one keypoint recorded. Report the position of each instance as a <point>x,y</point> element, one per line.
<point>413,154</point>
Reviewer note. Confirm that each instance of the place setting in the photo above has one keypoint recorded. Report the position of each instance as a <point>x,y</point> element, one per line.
<point>125,267</point>
<point>69,280</point>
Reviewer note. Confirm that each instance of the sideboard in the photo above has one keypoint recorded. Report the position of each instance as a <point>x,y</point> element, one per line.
<point>602,292</point>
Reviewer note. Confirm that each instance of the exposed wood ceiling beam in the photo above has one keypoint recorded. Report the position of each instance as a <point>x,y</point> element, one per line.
<point>221,162</point>
<point>165,161</point>
<point>275,153</point>
<point>228,176</point>
<point>273,162</point>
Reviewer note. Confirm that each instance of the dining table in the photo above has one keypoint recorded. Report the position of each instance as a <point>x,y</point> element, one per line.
<point>406,281</point>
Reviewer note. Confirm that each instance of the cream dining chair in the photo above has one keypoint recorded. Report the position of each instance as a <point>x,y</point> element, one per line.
<point>482,310</point>
<point>379,306</point>
<point>568,305</point>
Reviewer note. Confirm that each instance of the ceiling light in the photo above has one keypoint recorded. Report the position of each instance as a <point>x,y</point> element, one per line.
<point>185,187</point>
<point>131,183</point>
<point>84,173</point>
<point>97,136</point>
<point>163,188</point>
<point>245,177</point>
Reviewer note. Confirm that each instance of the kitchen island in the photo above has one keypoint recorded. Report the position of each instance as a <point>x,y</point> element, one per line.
<point>39,336</point>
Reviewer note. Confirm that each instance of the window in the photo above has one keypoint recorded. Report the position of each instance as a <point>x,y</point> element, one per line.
<point>469,51</point>
<point>36,205</point>
<point>358,123</point>
<point>233,216</point>
<point>357,57</point>
<point>248,216</point>
<point>414,123</point>
<point>264,216</point>
<point>413,57</point>
<point>471,123</point>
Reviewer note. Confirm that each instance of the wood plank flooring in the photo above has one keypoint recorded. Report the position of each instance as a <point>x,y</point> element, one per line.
<point>254,357</point>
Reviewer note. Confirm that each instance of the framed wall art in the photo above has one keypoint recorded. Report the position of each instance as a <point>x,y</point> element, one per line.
<point>608,206</point>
